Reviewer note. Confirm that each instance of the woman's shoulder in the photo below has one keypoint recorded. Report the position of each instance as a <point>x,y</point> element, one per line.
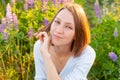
<point>86,57</point>
<point>37,43</point>
<point>88,51</point>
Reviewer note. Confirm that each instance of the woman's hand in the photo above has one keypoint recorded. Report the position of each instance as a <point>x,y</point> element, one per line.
<point>45,42</point>
<point>51,72</point>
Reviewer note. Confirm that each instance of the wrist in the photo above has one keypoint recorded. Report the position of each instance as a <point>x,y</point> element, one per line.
<point>46,54</point>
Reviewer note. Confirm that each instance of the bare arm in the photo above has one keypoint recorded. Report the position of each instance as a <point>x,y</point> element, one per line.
<point>51,71</point>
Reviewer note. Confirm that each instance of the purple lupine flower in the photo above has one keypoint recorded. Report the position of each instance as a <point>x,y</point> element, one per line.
<point>9,19</point>
<point>25,6</point>
<point>113,56</point>
<point>60,1</point>
<point>8,8</point>
<point>1,28</point>
<point>44,2</point>
<point>115,34</point>
<point>9,15</point>
<point>97,9</point>
<point>3,23</point>
<point>53,1</point>
<point>45,22</point>
<point>44,5</point>
<point>65,1</point>
<point>30,33</point>
<point>30,3</point>
<point>15,20</point>
<point>5,36</point>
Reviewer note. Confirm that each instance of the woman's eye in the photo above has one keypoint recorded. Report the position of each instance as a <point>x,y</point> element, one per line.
<point>58,22</point>
<point>68,27</point>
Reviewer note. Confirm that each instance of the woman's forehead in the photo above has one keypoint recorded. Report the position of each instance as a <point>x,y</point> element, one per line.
<point>66,16</point>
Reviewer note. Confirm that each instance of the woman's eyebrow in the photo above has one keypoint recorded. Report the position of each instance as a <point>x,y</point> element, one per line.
<point>58,18</point>
<point>65,22</point>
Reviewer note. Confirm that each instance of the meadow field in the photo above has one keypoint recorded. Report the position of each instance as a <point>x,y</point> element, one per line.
<point>20,19</point>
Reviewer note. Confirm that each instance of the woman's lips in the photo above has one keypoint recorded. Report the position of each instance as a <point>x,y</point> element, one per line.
<point>57,36</point>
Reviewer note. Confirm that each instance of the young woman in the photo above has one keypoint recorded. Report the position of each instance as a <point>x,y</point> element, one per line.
<point>62,51</point>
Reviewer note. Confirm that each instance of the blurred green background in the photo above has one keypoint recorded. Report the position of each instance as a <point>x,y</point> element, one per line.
<point>20,19</point>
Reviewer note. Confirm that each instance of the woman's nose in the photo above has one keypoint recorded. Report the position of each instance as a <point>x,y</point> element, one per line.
<point>60,29</point>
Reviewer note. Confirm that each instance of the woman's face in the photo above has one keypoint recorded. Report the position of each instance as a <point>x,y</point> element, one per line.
<point>62,30</point>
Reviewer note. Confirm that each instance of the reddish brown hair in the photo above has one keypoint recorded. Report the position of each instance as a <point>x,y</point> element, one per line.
<point>82,31</point>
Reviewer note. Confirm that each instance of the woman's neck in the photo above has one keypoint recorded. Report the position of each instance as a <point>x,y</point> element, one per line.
<point>61,51</point>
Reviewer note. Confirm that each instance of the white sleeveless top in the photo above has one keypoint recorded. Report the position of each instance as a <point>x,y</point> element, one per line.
<point>76,68</point>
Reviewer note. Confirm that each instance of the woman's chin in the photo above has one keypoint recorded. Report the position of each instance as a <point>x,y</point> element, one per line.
<point>55,44</point>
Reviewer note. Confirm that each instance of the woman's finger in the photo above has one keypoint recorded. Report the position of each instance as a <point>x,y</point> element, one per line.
<point>42,36</point>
